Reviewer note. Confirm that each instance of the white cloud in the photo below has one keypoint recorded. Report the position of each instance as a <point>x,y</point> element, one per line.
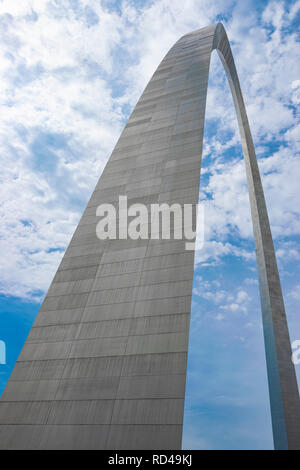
<point>250,281</point>
<point>69,73</point>
<point>239,303</point>
<point>219,317</point>
<point>225,300</point>
<point>295,293</point>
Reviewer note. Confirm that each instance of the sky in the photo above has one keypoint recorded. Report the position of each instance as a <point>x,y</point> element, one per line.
<point>71,72</point>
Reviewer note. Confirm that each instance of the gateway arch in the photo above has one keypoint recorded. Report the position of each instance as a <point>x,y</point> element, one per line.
<point>104,365</point>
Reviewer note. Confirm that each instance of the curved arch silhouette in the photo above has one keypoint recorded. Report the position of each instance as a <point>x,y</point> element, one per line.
<point>283,389</point>
<point>104,365</point>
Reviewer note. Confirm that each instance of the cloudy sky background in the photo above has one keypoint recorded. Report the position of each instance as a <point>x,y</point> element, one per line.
<point>71,71</point>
